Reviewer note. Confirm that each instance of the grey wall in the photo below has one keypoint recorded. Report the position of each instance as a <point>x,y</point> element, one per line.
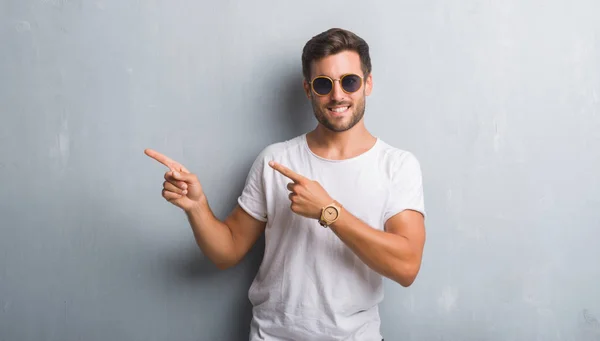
<point>499,100</point>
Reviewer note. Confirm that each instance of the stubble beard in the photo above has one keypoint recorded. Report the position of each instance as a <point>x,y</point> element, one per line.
<point>358,112</point>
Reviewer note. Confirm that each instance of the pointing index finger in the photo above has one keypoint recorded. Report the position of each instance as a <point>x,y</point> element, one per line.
<point>286,172</point>
<point>165,160</point>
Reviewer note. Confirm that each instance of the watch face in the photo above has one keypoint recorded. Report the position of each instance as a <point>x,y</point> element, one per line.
<point>331,213</point>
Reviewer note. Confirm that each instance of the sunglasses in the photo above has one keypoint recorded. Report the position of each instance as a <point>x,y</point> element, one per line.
<point>323,85</point>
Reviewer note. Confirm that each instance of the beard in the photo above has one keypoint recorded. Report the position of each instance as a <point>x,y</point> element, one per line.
<point>338,125</point>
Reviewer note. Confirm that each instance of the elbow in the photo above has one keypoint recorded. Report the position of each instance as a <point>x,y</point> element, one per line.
<point>406,275</point>
<point>224,265</point>
<point>406,282</point>
<point>220,262</point>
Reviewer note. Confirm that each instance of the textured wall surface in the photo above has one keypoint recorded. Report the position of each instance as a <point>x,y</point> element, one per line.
<point>500,101</point>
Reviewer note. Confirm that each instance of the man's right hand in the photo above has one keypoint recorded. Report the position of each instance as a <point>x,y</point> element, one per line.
<point>181,188</point>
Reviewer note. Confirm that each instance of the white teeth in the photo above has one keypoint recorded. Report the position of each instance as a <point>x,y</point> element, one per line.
<point>342,109</point>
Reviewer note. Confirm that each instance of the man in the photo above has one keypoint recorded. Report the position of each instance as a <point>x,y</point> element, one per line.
<point>340,209</point>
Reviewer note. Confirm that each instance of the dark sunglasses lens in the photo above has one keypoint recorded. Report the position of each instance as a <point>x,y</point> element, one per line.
<point>322,86</point>
<point>351,83</point>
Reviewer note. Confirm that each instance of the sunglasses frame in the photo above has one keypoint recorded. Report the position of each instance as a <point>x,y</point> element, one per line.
<point>333,83</point>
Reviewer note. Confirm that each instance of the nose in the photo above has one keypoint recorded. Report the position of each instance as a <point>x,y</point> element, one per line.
<point>337,94</point>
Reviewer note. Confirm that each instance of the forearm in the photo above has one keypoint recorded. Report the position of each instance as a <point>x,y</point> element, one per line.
<point>391,255</point>
<point>212,235</point>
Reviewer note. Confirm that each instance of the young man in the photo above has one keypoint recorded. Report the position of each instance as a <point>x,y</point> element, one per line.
<point>340,209</point>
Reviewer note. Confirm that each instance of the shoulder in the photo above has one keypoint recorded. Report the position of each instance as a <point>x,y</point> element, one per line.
<point>395,161</point>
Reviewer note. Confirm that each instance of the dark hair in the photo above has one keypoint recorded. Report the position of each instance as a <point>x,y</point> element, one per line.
<point>333,41</point>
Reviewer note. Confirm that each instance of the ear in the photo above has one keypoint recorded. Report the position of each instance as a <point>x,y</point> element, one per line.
<point>369,84</point>
<point>306,88</point>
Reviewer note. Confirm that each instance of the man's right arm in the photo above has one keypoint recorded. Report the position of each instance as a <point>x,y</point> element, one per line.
<point>226,242</point>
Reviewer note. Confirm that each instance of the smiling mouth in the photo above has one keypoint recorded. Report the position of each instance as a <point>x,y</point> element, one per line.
<point>338,110</point>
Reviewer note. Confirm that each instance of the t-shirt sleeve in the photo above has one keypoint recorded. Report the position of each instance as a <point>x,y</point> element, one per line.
<point>253,198</point>
<point>406,187</point>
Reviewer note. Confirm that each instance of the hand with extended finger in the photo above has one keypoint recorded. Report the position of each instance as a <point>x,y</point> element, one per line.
<point>307,196</point>
<point>181,188</point>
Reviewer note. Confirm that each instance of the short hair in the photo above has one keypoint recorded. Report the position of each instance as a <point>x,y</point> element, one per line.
<point>333,41</point>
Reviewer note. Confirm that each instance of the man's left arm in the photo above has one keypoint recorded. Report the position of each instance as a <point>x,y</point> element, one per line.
<point>395,253</point>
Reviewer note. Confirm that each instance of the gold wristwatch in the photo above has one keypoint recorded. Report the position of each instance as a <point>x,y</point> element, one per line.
<point>330,213</point>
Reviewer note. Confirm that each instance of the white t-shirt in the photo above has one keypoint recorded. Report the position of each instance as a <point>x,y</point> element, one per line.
<point>310,285</point>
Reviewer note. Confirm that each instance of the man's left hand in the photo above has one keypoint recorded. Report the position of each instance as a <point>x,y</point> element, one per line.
<point>308,197</point>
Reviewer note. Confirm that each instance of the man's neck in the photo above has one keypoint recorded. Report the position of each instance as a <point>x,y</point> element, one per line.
<point>340,145</point>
